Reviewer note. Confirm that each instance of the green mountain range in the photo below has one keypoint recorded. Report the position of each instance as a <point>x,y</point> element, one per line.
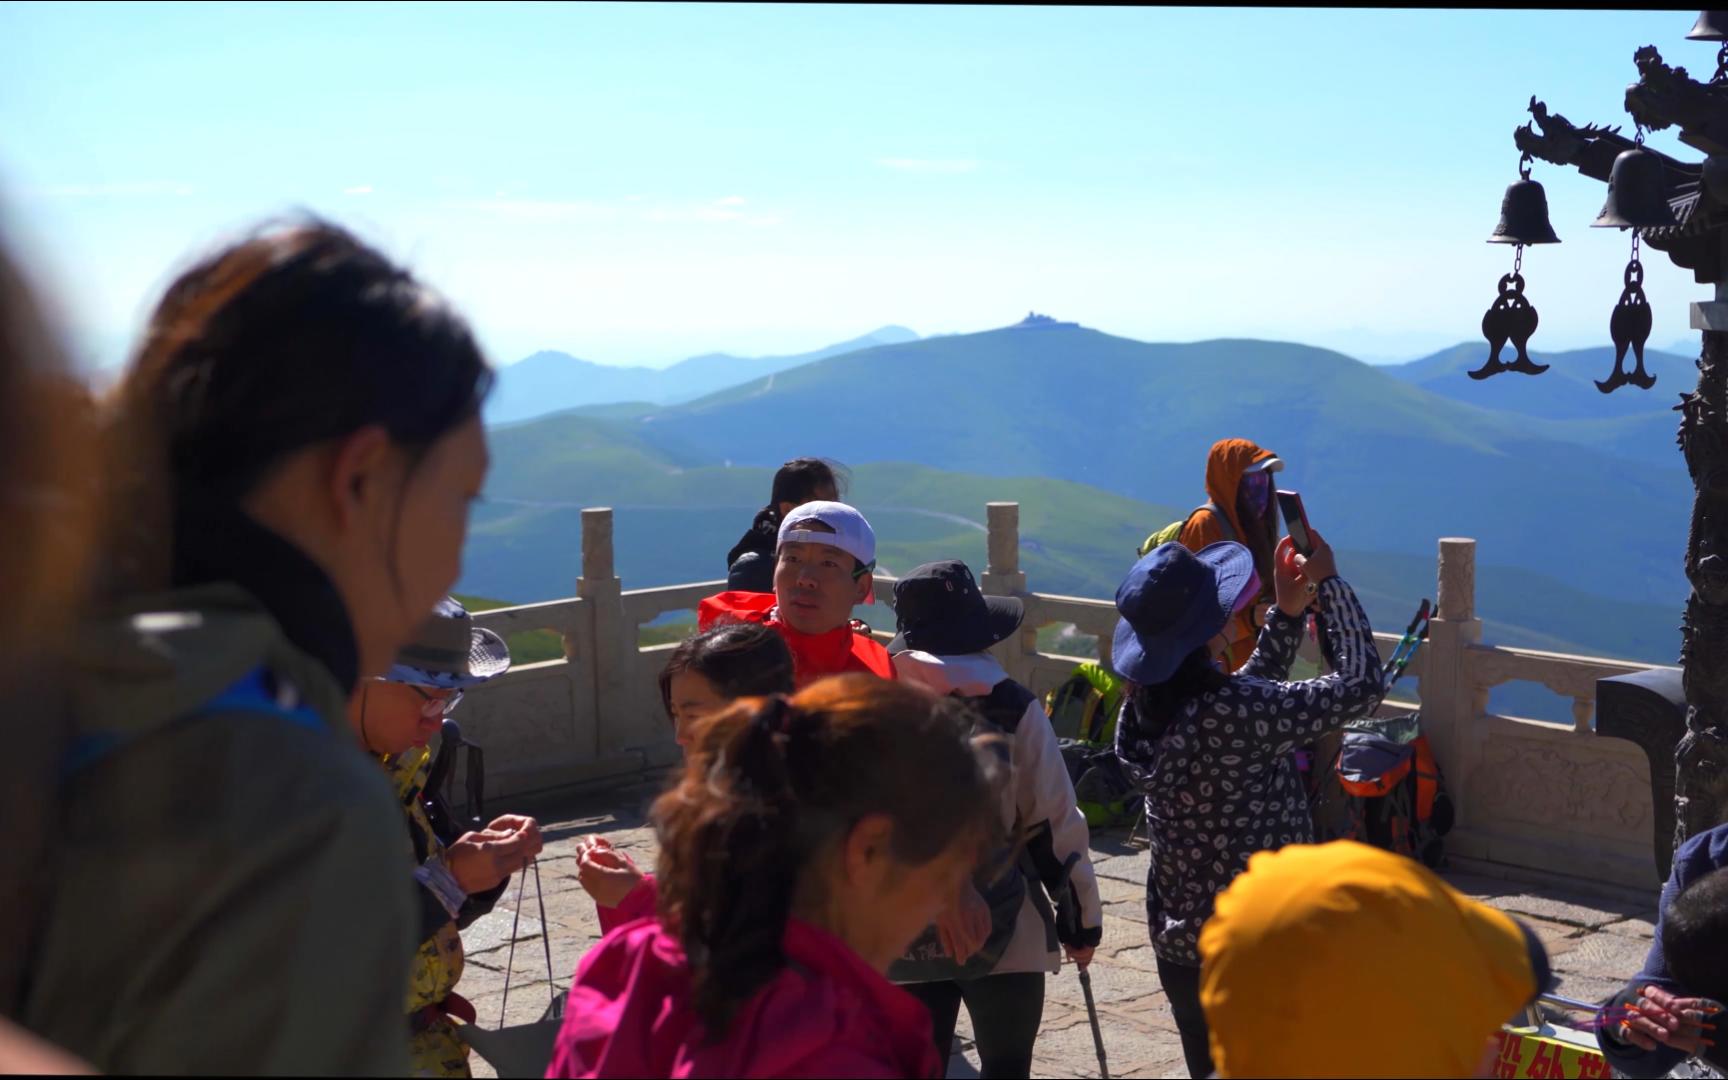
<point>1384,465</point>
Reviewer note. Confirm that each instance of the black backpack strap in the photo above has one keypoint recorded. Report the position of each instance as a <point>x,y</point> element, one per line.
<point>1005,705</point>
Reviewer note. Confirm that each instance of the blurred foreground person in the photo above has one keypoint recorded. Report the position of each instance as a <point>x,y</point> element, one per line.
<point>808,842</point>
<point>49,500</point>
<point>295,445</point>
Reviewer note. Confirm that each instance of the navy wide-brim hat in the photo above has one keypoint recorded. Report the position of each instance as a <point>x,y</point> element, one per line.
<point>1173,602</point>
<point>450,652</point>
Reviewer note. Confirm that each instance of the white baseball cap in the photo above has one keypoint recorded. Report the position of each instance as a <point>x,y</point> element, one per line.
<point>851,533</point>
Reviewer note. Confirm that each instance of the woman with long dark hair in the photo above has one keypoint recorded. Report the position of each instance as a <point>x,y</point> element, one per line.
<point>1211,751</point>
<point>296,444</point>
<point>750,563</point>
<point>808,841</point>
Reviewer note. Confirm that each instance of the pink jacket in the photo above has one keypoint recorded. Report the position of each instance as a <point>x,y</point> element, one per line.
<point>638,903</point>
<point>825,1014</point>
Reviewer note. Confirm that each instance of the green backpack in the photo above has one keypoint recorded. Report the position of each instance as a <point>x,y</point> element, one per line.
<point>1083,711</point>
<point>1173,531</point>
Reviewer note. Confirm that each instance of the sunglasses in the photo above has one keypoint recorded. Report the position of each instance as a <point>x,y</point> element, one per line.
<point>432,707</point>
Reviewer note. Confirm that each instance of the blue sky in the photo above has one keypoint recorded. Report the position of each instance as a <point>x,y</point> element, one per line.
<point>636,183</point>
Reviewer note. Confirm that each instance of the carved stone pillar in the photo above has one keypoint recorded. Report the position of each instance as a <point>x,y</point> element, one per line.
<point>1701,760</point>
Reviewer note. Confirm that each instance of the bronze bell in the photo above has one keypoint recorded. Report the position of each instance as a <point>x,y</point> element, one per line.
<point>1524,216</point>
<point>1637,198</point>
<point>1711,26</point>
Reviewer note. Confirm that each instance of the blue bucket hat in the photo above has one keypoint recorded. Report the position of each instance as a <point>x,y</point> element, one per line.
<point>1173,602</point>
<point>450,652</point>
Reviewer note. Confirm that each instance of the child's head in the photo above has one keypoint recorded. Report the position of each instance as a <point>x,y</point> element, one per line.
<point>1695,937</point>
<point>707,672</point>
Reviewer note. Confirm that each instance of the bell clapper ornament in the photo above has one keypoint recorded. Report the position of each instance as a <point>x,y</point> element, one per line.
<point>1629,325</point>
<point>1636,200</point>
<point>1523,220</point>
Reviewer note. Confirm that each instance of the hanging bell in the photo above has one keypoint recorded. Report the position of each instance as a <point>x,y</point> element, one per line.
<point>1711,26</point>
<point>1637,198</point>
<point>1524,216</point>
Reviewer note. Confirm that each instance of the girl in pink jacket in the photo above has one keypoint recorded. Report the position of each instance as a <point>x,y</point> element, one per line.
<point>808,842</point>
<point>705,674</point>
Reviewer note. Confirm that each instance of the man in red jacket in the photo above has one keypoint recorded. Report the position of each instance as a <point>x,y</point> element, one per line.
<point>823,564</point>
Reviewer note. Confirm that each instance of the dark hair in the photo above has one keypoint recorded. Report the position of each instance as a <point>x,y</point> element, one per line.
<point>1156,704</point>
<point>798,480</point>
<point>740,659</point>
<point>1695,937</point>
<point>770,783</point>
<point>297,334</point>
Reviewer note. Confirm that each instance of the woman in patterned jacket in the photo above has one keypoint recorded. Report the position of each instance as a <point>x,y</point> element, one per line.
<point>1212,752</point>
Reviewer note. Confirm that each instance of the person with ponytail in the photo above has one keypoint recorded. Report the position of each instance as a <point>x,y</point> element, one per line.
<point>808,841</point>
<point>750,563</point>
<point>295,446</point>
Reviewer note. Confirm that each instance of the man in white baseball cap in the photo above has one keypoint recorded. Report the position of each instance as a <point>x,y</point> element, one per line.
<point>825,557</point>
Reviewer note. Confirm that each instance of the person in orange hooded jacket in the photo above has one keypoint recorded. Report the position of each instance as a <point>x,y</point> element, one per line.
<point>1241,508</point>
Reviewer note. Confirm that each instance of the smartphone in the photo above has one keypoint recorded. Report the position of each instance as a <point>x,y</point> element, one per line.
<point>1296,522</point>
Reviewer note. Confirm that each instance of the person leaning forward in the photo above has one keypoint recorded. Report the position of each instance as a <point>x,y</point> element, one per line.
<point>460,873</point>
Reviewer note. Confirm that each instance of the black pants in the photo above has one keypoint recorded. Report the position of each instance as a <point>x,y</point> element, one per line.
<point>1182,988</point>
<point>1005,1011</point>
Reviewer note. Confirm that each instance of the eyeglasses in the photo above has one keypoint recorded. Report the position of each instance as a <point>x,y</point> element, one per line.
<point>433,707</point>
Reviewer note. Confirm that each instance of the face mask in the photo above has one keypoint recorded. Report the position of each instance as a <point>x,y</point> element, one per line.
<point>1257,489</point>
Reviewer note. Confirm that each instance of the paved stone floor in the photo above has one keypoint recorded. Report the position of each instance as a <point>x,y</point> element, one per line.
<point>1596,939</point>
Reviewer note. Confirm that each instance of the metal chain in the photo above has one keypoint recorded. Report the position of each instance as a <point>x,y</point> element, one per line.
<point>1634,245</point>
<point>1518,260</point>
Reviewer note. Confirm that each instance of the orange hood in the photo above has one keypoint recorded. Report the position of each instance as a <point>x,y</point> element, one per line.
<point>1226,464</point>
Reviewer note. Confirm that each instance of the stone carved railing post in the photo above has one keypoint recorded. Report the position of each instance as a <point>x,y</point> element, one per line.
<point>611,642</point>
<point>1003,577</point>
<point>1450,703</point>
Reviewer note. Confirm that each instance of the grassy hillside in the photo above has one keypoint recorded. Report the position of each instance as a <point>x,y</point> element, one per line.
<point>1383,464</point>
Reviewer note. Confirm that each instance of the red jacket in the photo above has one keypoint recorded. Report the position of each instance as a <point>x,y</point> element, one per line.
<point>814,656</point>
<point>826,1013</point>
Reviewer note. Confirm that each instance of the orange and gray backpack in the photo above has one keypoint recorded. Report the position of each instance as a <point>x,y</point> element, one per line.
<point>1394,794</point>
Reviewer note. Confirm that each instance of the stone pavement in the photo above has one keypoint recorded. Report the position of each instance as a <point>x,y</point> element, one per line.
<point>1595,938</point>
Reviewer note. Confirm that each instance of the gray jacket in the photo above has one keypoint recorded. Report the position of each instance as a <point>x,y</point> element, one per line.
<point>227,893</point>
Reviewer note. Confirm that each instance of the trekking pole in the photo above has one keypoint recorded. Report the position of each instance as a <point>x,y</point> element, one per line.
<point>1071,913</point>
<point>1405,651</point>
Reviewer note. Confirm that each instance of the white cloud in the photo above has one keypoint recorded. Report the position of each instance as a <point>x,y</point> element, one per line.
<point>929,165</point>
<point>118,188</point>
<point>730,200</point>
<point>358,189</point>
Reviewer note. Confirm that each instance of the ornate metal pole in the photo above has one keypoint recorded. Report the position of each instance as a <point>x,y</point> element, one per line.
<point>1698,196</point>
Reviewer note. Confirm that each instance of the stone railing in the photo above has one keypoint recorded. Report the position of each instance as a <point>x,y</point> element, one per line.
<point>1529,793</point>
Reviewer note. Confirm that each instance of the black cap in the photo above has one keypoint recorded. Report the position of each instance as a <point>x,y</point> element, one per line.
<point>939,609</point>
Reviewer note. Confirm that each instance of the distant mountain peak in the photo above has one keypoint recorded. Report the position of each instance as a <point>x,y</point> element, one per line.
<point>1035,321</point>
